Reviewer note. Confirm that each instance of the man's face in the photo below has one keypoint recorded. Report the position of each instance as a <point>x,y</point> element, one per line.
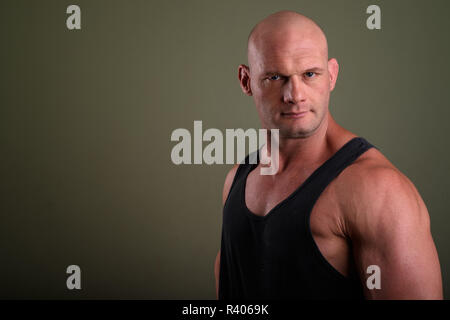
<point>290,84</point>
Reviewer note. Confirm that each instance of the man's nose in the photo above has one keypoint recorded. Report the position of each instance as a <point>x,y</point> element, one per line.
<point>294,90</point>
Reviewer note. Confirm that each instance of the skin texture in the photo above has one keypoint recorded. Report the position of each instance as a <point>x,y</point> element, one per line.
<point>371,214</point>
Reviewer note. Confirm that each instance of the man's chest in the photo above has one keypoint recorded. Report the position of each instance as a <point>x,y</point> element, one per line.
<point>263,193</point>
<point>262,196</point>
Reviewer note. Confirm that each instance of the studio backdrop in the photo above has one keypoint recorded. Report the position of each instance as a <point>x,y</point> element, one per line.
<point>92,91</point>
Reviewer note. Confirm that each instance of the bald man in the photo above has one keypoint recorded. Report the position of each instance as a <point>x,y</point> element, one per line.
<point>337,220</point>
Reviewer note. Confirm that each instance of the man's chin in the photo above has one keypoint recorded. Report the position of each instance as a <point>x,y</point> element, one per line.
<point>297,129</point>
<point>295,134</point>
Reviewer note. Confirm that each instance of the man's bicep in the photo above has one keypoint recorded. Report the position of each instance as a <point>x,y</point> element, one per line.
<point>394,251</point>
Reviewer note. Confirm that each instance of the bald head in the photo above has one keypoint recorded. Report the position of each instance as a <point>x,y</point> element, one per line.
<point>285,30</point>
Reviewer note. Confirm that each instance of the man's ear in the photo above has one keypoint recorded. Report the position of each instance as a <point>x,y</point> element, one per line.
<point>244,79</point>
<point>333,70</point>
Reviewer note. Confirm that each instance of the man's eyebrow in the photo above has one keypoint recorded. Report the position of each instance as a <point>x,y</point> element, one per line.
<point>270,73</point>
<point>312,69</point>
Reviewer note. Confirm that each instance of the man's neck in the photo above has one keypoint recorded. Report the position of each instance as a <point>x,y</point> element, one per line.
<point>306,152</point>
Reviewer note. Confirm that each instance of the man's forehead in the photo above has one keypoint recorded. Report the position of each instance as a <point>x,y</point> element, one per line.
<point>288,66</point>
<point>298,55</point>
<point>285,45</point>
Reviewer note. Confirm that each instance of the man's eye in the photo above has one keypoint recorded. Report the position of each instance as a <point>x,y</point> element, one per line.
<point>310,74</point>
<point>275,77</point>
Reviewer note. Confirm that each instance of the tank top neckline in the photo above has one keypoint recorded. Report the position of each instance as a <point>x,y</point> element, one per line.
<point>298,189</point>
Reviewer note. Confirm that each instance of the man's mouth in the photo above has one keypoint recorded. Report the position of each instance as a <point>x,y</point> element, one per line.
<point>294,114</point>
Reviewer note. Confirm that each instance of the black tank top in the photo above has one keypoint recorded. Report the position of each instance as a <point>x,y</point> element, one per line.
<point>274,256</point>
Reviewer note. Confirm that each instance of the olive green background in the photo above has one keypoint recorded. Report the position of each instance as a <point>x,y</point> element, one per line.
<point>86,118</point>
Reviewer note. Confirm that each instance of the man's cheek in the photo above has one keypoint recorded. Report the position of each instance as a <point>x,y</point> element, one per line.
<point>322,97</point>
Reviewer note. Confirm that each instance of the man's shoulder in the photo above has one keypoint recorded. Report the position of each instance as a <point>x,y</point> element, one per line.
<point>372,188</point>
<point>370,175</point>
<point>228,182</point>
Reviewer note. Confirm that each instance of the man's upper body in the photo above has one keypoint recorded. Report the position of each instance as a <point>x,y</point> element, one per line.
<point>371,213</point>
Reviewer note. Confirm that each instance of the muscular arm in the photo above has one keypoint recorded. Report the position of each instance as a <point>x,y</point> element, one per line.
<point>389,226</point>
<point>226,189</point>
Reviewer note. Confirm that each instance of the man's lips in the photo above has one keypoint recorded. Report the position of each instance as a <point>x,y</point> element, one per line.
<point>294,114</point>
